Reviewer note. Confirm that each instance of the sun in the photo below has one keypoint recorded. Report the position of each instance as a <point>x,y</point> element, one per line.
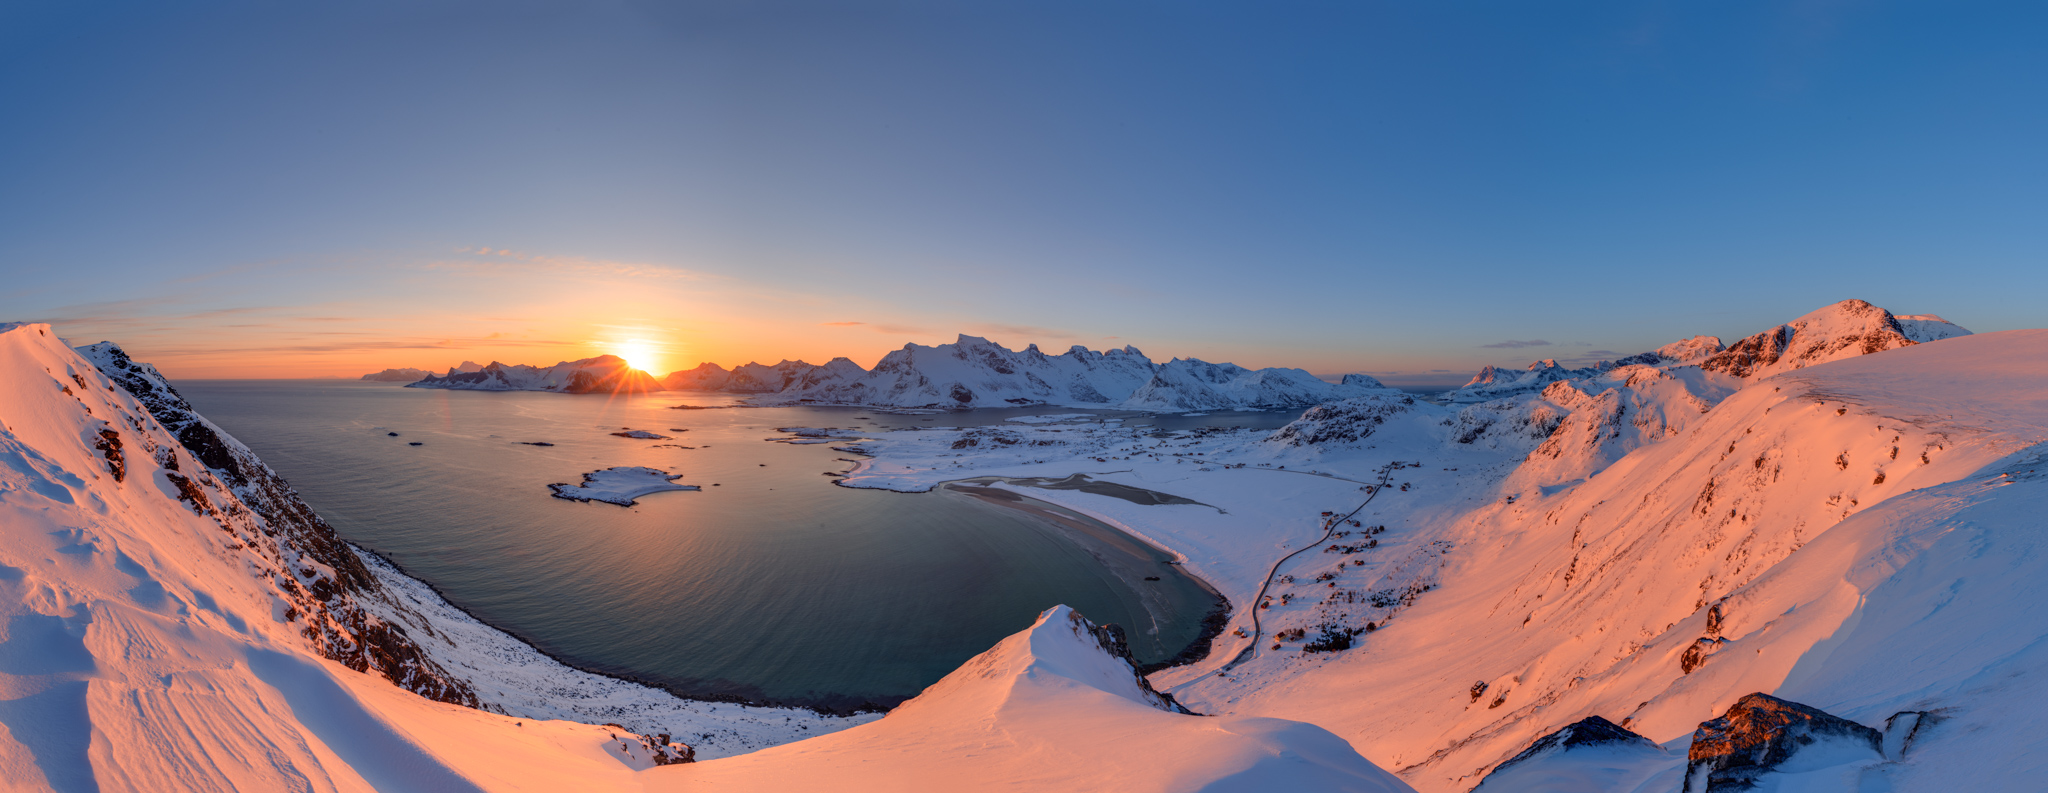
<point>637,354</point>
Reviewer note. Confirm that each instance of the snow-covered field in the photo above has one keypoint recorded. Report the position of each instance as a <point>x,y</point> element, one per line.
<point>1842,513</point>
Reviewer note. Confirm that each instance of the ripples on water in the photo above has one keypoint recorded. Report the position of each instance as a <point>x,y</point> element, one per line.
<point>772,585</point>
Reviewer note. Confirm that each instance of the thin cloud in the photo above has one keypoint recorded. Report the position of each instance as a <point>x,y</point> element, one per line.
<point>893,330</point>
<point>1511,344</point>
<point>502,260</point>
<point>1027,331</point>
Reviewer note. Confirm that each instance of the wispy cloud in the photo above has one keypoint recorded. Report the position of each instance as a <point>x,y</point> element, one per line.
<point>1025,331</point>
<point>500,260</point>
<point>1511,344</point>
<point>887,328</point>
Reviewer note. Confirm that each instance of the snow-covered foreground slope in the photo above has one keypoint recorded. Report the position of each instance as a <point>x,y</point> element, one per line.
<point>1052,709</point>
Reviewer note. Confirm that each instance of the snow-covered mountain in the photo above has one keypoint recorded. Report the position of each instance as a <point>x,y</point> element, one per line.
<point>973,372</point>
<point>602,374</point>
<point>1496,383</point>
<point>1182,385</point>
<point>1843,330</point>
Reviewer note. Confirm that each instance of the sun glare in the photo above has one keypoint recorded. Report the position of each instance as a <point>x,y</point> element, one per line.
<point>637,354</point>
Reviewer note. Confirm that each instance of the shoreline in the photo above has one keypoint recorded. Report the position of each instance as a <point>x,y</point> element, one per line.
<point>721,699</point>
<point>1213,621</point>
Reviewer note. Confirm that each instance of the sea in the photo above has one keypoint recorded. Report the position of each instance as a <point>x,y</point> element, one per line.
<point>770,584</point>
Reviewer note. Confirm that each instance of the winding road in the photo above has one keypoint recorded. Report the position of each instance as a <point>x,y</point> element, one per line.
<point>1329,527</point>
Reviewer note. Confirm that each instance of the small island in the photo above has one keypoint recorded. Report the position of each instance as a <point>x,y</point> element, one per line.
<point>621,485</point>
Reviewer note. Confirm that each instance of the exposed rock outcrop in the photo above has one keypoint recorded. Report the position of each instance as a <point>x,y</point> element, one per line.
<point>1760,733</point>
<point>1347,421</point>
<point>1590,741</point>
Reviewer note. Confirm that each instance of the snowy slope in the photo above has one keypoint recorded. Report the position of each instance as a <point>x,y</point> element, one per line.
<point>1928,327</point>
<point>1588,601</point>
<point>1650,545</point>
<point>603,374</point>
<point>1052,709</point>
<point>1689,351</point>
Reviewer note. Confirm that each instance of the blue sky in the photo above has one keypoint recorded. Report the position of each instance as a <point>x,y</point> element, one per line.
<point>242,189</point>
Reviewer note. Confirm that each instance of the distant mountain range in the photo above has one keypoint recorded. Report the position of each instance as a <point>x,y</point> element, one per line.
<point>973,372</point>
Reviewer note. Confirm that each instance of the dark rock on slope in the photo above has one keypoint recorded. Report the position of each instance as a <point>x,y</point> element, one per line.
<point>1758,734</point>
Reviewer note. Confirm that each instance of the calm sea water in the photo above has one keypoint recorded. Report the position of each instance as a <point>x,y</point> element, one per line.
<point>772,583</point>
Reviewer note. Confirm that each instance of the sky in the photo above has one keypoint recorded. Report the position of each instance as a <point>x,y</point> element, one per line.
<point>1408,189</point>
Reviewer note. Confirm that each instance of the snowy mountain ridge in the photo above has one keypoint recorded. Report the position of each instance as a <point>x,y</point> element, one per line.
<point>1842,330</point>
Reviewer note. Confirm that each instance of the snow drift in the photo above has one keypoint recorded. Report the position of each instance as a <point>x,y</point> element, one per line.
<point>1054,708</point>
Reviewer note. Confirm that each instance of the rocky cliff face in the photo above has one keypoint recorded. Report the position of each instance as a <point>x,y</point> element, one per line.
<point>296,552</point>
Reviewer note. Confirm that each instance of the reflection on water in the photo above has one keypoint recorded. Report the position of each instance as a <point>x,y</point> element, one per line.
<point>770,584</point>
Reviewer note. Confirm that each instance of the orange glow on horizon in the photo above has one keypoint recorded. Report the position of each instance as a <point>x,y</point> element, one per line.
<point>640,355</point>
